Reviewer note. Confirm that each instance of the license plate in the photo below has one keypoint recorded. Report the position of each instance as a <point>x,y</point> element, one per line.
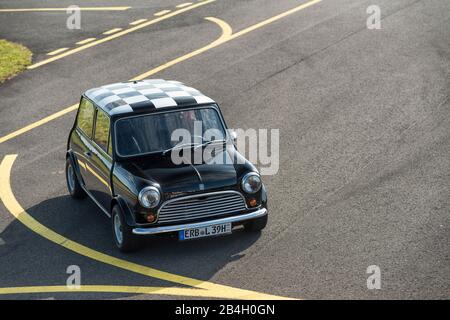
<point>208,231</point>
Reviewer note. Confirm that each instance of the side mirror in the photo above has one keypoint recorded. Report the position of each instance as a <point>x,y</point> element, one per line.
<point>233,136</point>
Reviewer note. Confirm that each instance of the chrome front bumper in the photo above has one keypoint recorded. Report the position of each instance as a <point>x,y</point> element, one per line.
<point>252,215</point>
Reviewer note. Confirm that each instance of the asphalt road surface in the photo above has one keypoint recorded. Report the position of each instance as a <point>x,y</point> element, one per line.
<point>364,161</point>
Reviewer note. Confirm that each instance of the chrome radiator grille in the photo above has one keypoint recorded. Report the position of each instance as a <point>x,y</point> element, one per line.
<point>201,206</point>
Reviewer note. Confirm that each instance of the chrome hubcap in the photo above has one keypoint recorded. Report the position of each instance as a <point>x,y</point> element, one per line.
<point>118,229</point>
<point>70,178</point>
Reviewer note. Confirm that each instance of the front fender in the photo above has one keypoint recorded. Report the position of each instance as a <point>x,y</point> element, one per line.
<point>129,217</point>
<point>263,196</point>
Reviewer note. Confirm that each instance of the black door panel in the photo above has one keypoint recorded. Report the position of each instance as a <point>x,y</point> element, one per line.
<point>98,167</point>
<point>99,162</point>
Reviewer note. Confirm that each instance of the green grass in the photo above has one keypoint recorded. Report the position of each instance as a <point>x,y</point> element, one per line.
<point>14,58</point>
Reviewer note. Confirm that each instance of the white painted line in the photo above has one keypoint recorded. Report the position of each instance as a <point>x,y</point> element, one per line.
<point>161,13</point>
<point>86,41</point>
<point>65,9</point>
<point>119,34</point>
<point>112,31</point>
<point>184,5</point>
<point>138,22</point>
<point>56,51</point>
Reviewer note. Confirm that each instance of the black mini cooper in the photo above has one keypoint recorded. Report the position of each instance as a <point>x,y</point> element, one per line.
<point>120,153</point>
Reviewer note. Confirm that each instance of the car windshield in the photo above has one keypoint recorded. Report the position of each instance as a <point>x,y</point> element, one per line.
<point>153,132</point>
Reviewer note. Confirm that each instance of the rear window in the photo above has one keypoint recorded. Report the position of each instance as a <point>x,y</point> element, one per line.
<point>85,117</point>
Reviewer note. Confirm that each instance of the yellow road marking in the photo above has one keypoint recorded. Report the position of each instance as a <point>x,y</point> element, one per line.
<point>184,5</point>
<point>14,207</point>
<point>118,34</point>
<point>274,18</point>
<point>161,13</point>
<point>226,35</point>
<point>65,9</point>
<point>221,40</point>
<point>187,292</point>
<point>85,41</point>
<point>112,31</point>
<point>137,22</point>
<point>57,51</point>
<point>38,123</point>
<point>214,290</point>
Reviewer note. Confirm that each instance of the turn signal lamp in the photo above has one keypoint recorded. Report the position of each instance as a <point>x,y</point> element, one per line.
<point>252,202</point>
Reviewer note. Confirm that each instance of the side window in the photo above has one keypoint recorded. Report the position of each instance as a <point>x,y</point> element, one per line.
<point>110,144</point>
<point>85,117</point>
<point>102,130</point>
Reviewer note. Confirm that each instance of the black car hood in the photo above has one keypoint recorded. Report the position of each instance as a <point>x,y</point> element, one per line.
<point>188,177</point>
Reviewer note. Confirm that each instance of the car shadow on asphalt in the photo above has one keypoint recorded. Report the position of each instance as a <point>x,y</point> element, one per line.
<point>82,221</point>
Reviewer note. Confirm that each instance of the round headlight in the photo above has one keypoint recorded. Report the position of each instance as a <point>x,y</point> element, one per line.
<point>149,197</point>
<point>251,182</point>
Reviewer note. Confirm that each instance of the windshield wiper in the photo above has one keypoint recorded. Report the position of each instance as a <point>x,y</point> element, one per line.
<point>179,146</point>
<point>192,144</point>
<point>209,142</point>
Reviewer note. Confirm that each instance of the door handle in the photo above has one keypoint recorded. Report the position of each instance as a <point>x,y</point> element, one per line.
<point>88,154</point>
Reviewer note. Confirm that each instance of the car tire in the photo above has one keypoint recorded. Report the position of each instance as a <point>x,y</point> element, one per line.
<point>73,185</point>
<point>123,236</point>
<point>257,224</point>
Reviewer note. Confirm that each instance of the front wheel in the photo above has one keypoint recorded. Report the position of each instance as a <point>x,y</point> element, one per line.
<point>257,224</point>
<point>124,238</point>
<point>74,187</point>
